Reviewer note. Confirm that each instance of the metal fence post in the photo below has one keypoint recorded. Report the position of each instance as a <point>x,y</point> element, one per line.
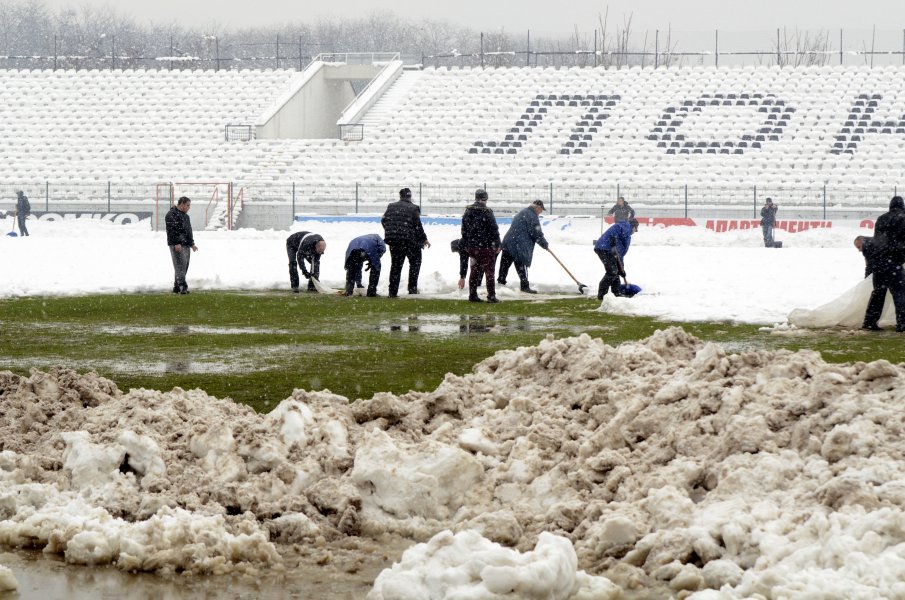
<point>551,197</point>
<point>618,194</point>
<point>356,197</point>
<point>824,202</point>
<point>419,194</point>
<point>755,201</point>
<point>716,48</point>
<point>293,201</point>
<point>686,200</point>
<point>46,196</point>
<point>108,196</point>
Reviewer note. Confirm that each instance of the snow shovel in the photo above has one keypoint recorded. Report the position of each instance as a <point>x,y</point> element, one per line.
<point>626,289</point>
<point>582,288</point>
<point>12,232</point>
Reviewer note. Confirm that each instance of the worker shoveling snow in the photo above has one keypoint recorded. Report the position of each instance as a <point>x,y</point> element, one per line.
<point>570,469</point>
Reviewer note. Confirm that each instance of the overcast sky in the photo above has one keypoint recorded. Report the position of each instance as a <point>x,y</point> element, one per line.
<point>536,15</point>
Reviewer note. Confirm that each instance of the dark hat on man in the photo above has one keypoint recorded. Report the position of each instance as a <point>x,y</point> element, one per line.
<point>897,202</point>
<point>539,203</point>
<point>480,194</point>
<point>405,193</point>
<point>769,200</point>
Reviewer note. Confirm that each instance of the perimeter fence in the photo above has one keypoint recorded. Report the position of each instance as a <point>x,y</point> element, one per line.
<point>607,46</point>
<point>275,204</point>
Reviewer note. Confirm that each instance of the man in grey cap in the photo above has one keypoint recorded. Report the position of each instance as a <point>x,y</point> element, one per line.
<point>518,244</point>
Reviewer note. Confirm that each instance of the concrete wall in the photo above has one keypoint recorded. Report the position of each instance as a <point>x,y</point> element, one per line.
<point>314,102</point>
<point>363,103</point>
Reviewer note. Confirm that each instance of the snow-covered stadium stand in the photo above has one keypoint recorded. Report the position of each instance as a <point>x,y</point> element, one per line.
<point>456,129</point>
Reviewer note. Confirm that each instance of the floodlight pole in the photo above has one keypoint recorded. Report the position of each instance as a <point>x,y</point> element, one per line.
<point>482,49</point>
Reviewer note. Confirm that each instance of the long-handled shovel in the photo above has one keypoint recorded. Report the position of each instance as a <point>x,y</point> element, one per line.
<point>582,288</point>
<point>12,232</point>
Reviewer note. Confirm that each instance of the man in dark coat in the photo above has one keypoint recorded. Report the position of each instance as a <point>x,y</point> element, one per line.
<point>768,221</point>
<point>23,209</point>
<point>365,248</point>
<point>518,244</point>
<point>304,246</point>
<point>404,234</point>
<point>887,251</point>
<point>611,248</point>
<point>481,239</point>
<point>181,241</point>
<point>621,211</point>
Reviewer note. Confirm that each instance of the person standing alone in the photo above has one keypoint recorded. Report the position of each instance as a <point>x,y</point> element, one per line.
<point>481,239</point>
<point>23,209</point>
<point>621,211</point>
<point>405,236</point>
<point>768,221</point>
<point>181,242</point>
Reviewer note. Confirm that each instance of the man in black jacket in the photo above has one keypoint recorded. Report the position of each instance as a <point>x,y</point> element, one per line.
<point>621,211</point>
<point>768,221</point>
<point>181,242</point>
<point>481,239</point>
<point>304,246</point>
<point>888,254</point>
<point>23,209</point>
<point>405,236</point>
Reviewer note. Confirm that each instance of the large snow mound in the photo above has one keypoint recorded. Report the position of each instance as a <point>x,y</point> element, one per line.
<point>665,462</point>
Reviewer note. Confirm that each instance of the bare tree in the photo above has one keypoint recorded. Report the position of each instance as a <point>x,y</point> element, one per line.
<point>802,49</point>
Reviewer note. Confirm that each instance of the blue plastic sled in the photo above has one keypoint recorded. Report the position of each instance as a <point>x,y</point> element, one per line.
<point>629,289</point>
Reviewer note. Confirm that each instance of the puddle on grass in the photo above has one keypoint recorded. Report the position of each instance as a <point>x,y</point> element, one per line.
<point>441,325</point>
<point>246,360</point>
<point>186,330</point>
<point>41,577</point>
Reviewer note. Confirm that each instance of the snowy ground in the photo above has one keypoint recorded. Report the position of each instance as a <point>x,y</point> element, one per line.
<point>567,470</point>
<point>686,273</point>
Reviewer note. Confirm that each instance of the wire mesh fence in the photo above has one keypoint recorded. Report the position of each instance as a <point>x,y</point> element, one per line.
<point>806,202</point>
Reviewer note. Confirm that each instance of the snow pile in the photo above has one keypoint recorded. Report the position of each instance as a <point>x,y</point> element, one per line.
<point>467,566</point>
<point>8,581</point>
<point>667,463</point>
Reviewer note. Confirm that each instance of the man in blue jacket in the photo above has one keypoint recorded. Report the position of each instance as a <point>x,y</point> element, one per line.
<point>518,244</point>
<point>361,249</point>
<point>611,248</point>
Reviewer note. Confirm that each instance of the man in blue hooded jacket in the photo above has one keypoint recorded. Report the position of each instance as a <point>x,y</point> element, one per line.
<point>518,244</point>
<point>611,248</point>
<point>365,248</point>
